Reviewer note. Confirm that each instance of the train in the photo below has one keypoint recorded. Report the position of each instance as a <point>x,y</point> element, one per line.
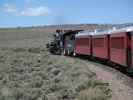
<point>114,46</point>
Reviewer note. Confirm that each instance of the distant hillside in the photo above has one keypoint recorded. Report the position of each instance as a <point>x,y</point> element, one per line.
<point>80,26</point>
<point>53,28</point>
<point>84,26</point>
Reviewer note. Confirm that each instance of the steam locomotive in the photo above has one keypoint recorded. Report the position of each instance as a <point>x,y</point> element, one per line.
<point>114,45</point>
<point>63,42</point>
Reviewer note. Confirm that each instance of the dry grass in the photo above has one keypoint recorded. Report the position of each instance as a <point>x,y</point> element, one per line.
<point>92,94</point>
<point>93,90</point>
<point>34,74</point>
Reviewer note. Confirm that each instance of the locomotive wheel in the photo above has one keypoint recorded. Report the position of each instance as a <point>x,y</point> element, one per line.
<point>74,54</point>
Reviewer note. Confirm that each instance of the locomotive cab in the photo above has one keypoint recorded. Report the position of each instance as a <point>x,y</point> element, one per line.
<point>69,42</point>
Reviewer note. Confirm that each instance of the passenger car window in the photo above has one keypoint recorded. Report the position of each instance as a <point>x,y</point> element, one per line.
<point>98,42</point>
<point>83,42</point>
<point>117,42</point>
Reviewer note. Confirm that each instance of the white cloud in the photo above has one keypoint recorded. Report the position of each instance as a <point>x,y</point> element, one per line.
<point>38,11</point>
<point>10,8</point>
<point>30,11</point>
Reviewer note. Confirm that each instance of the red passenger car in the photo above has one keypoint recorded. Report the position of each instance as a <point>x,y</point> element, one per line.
<point>83,43</point>
<point>100,46</point>
<point>120,48</point>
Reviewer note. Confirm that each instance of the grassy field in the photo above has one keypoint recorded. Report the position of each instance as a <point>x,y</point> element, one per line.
<point>29,72</point>
<point>24,37</point>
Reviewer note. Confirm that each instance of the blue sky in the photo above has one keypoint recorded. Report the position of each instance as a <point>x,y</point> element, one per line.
<point>15,13</point>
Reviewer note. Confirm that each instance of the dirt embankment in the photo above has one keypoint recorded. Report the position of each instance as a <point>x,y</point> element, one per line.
<point>120,84</point>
